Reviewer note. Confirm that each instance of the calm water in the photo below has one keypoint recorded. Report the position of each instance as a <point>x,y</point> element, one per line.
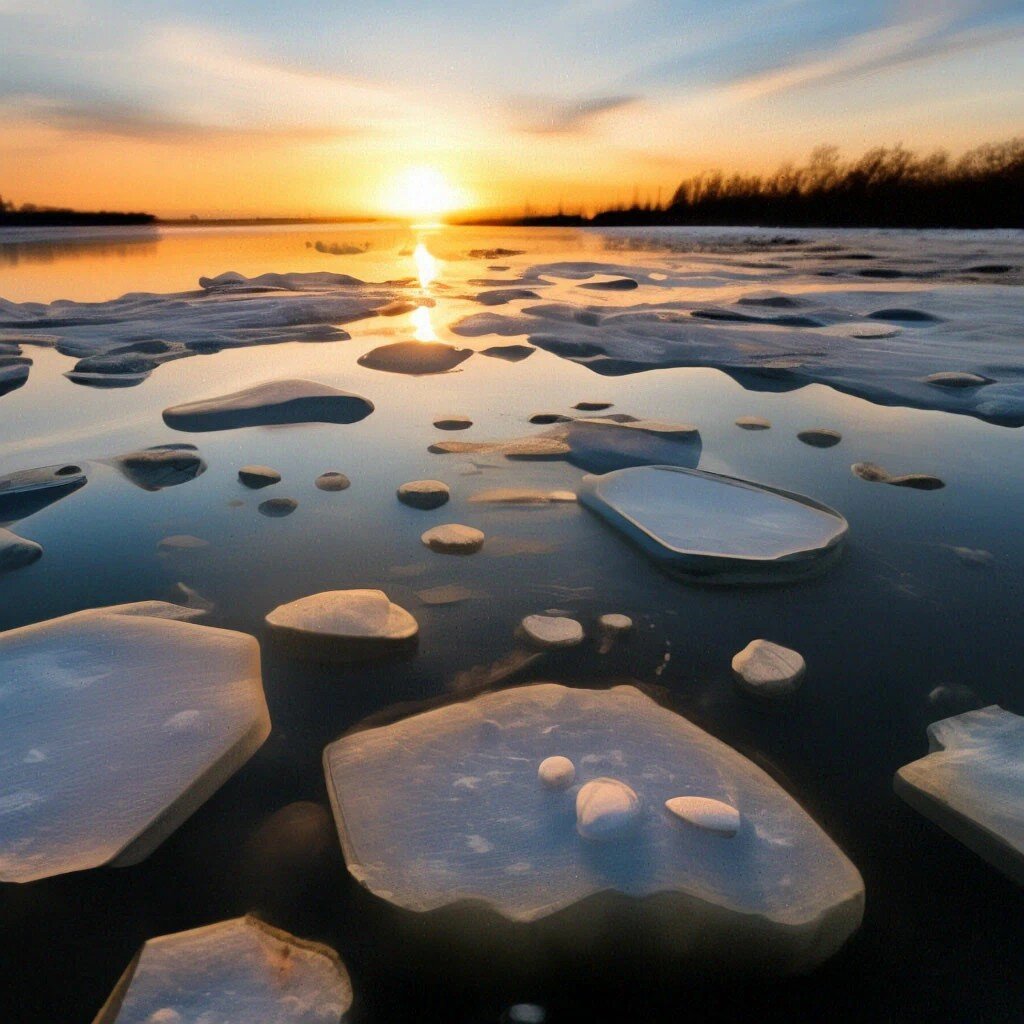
<point>898,616</point>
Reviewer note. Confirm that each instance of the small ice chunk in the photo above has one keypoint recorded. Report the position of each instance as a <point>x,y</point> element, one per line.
<point>552,631</point>
<point>953,379</point>
<point>820,437</point>
<point>768,670</point>
<point>453,539</point>
<point>332,480</point>
<point>557,772</point>
<point>606,809</point>
<point>424,494</point>
<point>706,813</point>
<point>453,421</point>
<point>256,477</point>
<point>276,508</point>
<point>753,423</point>
<point>344,625</point>
<point>16,552</point>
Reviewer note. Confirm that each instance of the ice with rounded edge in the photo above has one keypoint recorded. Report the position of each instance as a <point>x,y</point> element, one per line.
<point>271,403</point>
<point>344,625</point>
<point>229,972</point>
<point>970,784</point>
<point>407,797</point>
<point>134,722</point>
<point>716,528</point>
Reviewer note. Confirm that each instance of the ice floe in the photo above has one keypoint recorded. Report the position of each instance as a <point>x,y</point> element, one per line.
<point>552,631</point>
<point>777,896</point>
<point>227,973</point>
<point>889,356</point>
<point>227,311</point>
<point>332,480</point>
<point>424,494</point>
<point>17,552</point>
<point>256,477</point>
<point>138,720</point>
<point>30,490</point>
<point>454,539</point>
<point>416,358</point>
<point>344,625</point>
<point>277,508</point>
<point>704,526</point>
<point>970,784</point>
<point>164,465</point>
<point>769,670</point>
<point>272,403</point>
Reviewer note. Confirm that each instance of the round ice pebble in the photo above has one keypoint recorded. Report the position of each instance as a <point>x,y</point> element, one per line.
<point>453,539</point>
<point>557,772</point>
<point>424,494</point>
<point>768,670</point>
<point>606,809</point>
<point>552,631</point>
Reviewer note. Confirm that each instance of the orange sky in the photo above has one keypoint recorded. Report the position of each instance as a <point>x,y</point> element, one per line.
<point>181,117</point>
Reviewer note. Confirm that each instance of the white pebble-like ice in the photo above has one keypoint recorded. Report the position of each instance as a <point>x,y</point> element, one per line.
<point>552,631</point>
<point>768,670</point>
<point>556,772</point>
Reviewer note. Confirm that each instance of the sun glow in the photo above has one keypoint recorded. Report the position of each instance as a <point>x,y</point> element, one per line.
<point>426,265</point>
<point>422,193</point>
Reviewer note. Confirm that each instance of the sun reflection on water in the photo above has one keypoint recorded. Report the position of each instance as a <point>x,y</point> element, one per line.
<point>427,266</point>
<point>421,321</point>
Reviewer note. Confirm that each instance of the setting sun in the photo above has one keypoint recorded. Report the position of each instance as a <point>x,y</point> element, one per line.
<point>421,192</point>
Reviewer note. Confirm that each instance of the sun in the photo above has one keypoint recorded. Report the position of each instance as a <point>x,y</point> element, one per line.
<point>421,193</point>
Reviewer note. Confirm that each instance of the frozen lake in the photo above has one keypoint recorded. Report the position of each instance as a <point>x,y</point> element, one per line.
<point>826,330</point>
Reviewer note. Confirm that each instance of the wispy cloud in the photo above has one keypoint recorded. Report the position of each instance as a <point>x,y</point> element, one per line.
<point>564,117</point>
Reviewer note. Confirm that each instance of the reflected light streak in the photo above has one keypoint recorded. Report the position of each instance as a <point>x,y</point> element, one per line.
<point>426,266</point>
<point>421,321</point>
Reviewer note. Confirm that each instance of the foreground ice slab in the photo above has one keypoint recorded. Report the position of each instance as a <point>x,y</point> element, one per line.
<point>228,311</point>
<point>275,402</point>
<point>116,727</point>
<point>227,973</point>
<point>446,808</point>
<point>716,528</point>
<point>971,783</point>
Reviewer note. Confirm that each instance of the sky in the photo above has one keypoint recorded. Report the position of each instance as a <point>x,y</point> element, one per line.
<point>259,107</point>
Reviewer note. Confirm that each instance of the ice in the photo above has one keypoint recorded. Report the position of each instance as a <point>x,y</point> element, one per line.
<point>17,552</point>
<point>275,402</point>
<point>952,346</point>
<point>779,895</point>
<point>344,625</point>
<point>165,465</point>
<point>227,973</point>
<point>97,693</point>
<point>415,357</point>
<point>970,784</point>
<point>29,490</point>
<point>716,528</point>
<point>227,311</point>
<point>424,494</point>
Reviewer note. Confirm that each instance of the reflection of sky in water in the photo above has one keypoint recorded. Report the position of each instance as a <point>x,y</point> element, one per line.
<point>897,616</point>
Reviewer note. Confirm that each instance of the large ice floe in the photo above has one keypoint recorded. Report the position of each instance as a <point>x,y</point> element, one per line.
<point>227,973</point>
<point>893,347</point>
<point>445,809</point>
<point>716,528</point>
<point>970,784</point>
<point>121,341</point>
<point>274,403</point>
<point>118,723</point>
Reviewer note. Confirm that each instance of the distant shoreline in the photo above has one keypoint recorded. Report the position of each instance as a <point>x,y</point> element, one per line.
<point>75,219</point>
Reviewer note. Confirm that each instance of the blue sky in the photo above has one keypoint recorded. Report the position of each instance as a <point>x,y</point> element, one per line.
<point>507,98</point>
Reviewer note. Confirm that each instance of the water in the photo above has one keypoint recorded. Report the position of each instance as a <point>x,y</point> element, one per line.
<point>899,615</point>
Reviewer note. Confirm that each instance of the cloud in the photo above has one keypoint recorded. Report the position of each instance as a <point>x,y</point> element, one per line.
<point>928,39</point>
<point>561,117</point>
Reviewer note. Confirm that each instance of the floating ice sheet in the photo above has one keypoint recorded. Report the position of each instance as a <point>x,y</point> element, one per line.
<point>227,311</point>
<point>971,784</point>
<point>885,347</point>
<point>229,973</point>
<point>116,727</point>
<point>713,527</point>
<point>446,807</point>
